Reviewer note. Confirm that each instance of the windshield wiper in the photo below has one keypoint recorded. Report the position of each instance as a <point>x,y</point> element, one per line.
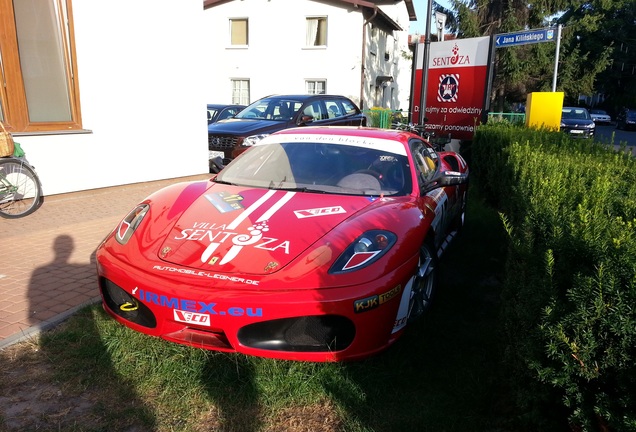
<point>300,189</point>
<point>224,182</point>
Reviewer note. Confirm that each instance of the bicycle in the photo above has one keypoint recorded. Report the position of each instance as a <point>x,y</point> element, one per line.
<point>20,188</point>
<point>438,143</point>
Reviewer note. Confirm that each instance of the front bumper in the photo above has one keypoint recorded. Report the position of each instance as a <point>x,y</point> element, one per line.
<point>344,323</point>
<point>579,132</point>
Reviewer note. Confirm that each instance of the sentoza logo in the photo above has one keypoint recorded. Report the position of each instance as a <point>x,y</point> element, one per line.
<point>455,59</point>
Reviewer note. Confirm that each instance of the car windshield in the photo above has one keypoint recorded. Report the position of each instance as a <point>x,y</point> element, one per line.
<point>275,109</point>
<point>599,112</point>
<point>631,115</point>
<point>576,113</point>
<point>321,168</point>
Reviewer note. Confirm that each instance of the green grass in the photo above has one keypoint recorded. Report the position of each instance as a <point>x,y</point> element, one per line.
<point>443,375</point>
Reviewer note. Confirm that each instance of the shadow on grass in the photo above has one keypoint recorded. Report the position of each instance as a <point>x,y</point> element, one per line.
<point>229,381</point>
<point>444,373</point>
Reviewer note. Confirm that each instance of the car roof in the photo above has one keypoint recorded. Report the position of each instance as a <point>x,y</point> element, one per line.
<point>356,131</point>
<point>303,96</point>
<point>223,105</point>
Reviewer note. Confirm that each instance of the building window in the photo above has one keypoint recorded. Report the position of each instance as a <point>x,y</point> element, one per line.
<point>239,34</point>
<point>38,66</point>
<point>388,43</point>
<point>241,91</point>
<point>373,42</point>
<point>317,31</point>
<point>316,86</point>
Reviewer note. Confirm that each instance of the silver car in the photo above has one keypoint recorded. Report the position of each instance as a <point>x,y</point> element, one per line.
<point>600,116</point>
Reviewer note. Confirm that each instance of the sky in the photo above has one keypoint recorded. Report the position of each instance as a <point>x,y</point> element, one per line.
<point>420,11</point>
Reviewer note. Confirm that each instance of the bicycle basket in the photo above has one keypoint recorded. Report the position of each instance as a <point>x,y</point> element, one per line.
<point>6,142</point>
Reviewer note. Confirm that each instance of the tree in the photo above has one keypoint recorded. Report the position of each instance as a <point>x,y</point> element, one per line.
<point>588,44</point>
<point>602,34</point>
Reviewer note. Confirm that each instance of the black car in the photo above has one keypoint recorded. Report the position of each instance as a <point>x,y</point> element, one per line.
<point>228,138</point>
<point>218,112</point>
<point>577,122</point>
<point>626,119</point>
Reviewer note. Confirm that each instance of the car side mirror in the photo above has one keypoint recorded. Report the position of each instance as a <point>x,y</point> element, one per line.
<point>304,119</point>
<point>446,178</point>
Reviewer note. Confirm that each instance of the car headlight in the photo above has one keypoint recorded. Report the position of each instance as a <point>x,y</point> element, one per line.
<point>251,140</point>
<point>591,125</point>
<point>365,250</point>
<point>130,223</point>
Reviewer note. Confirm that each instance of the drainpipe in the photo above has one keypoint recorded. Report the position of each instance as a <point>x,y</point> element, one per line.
<point>364,56</point>
<point>427,51</point>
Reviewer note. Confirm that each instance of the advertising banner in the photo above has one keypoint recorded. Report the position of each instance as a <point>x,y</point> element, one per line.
<point>457,82</point>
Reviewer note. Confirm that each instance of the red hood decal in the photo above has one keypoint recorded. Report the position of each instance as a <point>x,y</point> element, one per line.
<point>253,231</point>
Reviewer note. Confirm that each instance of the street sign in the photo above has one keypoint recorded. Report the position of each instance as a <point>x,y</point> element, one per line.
<point>524,37</point>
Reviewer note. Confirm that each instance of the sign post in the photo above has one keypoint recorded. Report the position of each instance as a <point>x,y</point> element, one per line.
<point>456,74</point>
<point>524,37</point>
<point>556,58</point>
<point>503,40</point>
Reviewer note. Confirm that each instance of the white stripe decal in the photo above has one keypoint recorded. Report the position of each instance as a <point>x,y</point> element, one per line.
<point>255,232</point>
<point>207,253</point>
<point>269,213</point>
<point>248,211</point>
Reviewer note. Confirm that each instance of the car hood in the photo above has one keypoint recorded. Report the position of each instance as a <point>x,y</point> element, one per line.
<point>576,122</point>
<point>253,230</point>
<point>247,127</point>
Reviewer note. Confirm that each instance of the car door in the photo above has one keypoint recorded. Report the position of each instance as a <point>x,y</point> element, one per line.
<point>443,201</point>
<point>333,111</point>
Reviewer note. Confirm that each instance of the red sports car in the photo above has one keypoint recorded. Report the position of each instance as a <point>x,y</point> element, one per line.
<point>317,244</point>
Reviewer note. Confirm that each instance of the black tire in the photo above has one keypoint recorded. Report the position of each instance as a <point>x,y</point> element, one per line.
<point>20,189</point>
<point>458,222</point>
<point>424,284</point>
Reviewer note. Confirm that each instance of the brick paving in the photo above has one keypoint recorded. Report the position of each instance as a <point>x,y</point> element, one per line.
<point>47,268</point>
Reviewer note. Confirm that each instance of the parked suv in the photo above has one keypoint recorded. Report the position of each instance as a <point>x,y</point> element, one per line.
<point>626,119</point>
<point>218,112</point>
<point>577,122</point>
<point>228,138</point>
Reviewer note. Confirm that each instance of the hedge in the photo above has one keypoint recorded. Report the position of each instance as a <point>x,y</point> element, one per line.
<point>569,296</point>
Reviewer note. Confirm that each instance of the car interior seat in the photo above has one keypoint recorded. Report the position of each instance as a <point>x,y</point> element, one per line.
<point>309,111</point>
<point>283,112</point>
<point>360,181</point>
<point>390,171</point>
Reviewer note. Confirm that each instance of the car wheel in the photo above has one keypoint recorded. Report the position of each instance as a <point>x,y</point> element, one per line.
<point>459,220</point>
<point>424,283</point>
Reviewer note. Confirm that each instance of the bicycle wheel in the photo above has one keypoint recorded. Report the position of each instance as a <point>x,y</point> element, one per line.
<point>20,190</point>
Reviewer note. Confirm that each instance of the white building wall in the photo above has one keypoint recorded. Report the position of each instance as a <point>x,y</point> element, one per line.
<point>394,94</point>
<point>277,59</point>
<point>401,57</point>
<point>147,69</point>
<point>141,74</point>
